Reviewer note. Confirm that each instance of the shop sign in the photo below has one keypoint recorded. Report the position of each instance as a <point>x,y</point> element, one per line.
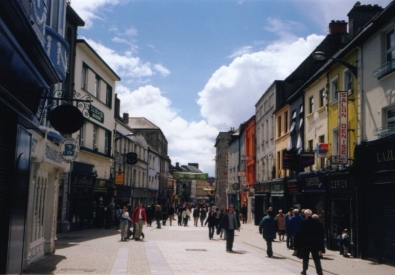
<point>306,159</point>
<point>277,187</point>
<point>312,183</point>
<point>192,176</point>
<point>69,149</point>
<point>343,126</point>
<point>289,160</point>
<point>262,187</point>
<point>292,186</point>
<point>338,184</point>
<point>119,178</point>
<point>96,114</point>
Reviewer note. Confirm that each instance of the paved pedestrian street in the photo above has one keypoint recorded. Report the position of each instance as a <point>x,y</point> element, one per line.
<point>176,250</point>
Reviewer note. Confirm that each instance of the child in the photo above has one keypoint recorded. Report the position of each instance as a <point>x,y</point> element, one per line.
<point>346,243</point>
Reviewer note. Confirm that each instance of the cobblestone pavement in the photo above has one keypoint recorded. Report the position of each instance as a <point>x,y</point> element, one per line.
<point>183,250</point>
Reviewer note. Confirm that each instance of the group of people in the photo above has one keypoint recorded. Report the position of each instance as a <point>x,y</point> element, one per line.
<point>127,218</point>
<point>305,234</point>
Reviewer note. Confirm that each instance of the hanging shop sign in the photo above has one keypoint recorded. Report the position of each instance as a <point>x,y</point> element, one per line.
<point>322,150</point>
<point>306,159</point>
<point>69,149</point>
<point>289,159</point>
<point>66,119</point>
<point>119,178</point>
<point>343,126</point>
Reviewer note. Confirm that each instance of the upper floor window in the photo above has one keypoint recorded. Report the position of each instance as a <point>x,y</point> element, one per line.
<point>97,87</point>
<point>347,77</point>
<point>95,133</point>
<point>311,104</point>
<point>334,88</point>
<point>107,142</point>
<point>84,77</point>
<point>279,130</point>
<point>390,45</point>
<point>108,95</point>
<point>286,121</point>
<point>391,119</point>
<point>322,97</point>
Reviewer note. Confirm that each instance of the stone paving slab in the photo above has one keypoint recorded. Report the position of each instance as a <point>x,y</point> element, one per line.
<point>176,250</point>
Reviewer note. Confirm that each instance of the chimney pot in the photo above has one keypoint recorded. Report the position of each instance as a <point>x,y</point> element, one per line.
<point>125,118</point>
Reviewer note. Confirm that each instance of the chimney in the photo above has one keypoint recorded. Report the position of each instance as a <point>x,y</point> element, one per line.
<point>338,27</point>
<point>359,15</point>
<point>177,164</point>
<point>125,118</point>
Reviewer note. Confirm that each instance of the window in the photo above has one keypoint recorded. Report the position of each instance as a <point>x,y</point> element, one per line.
<point>286,122</point>
<point>84,77</point>
<point>335,141</point>
<point>390,46</point>
<point>347,80</point>
<point>391,119</point>
<point>95,132</point>
<point>311,104</point>
<point>97,87</point>
<point>107,142</point>
<point>310,142</point>
<point>108,95</point>
<point>82,136</point>
<point>334,86</point>
<point>279,126</point>
<point>322,97</point>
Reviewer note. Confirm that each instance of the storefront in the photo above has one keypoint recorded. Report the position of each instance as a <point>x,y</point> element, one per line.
<point>340,207</point>
<point>374,170</point>
<point>313,190</point>
<point>122,195</point>
<point>277,200</point>
<point>260,203</point>
<point>292,194</point>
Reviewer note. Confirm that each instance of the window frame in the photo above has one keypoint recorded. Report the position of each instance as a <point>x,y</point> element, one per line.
<point>334,89</point>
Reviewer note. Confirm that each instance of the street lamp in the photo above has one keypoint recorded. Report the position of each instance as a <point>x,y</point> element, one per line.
<point>320,56</point>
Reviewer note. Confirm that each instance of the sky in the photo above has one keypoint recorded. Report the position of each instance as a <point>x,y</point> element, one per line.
<point>196,68</point>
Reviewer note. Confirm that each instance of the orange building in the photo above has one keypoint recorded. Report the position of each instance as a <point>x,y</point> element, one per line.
<point>249,161</point>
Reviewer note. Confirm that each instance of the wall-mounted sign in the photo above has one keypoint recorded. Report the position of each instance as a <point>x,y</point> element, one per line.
<point>343,126</point>
<point>241,174</point>
<point>191,176</point>
<point>96,114</point>
<point>131,158</point>
<point>69,149</point>
<point>306,159</point>
<point>235,186</point>
<point>119,178</point>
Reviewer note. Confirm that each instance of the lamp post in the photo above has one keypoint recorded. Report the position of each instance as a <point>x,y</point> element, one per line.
<point>320,56</point>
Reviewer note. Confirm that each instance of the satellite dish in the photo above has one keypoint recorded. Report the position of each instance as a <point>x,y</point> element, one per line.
<point>66,119</point>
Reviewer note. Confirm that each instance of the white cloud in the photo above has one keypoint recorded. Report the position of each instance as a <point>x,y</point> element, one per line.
<point>229,97</point>
<point>161,69</point>
<point>188,141</point>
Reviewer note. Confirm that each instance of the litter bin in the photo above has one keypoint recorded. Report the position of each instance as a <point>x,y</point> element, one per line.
<point>65,226</point>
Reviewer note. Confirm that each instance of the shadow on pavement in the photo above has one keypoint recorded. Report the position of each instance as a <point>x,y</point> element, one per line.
<point>47,265</point>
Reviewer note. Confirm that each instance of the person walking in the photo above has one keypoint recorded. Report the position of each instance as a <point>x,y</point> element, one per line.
<point>158,216</point>
<point>117,218</point>
<point>170,213</point>
<point>268,228</point>
<point>203,215</point>
<point>244,213</point>
<point>195,215</point>
<point>280,218</point>
<point>124,223</point>
<point>287,218</point>
<point>230,222</point>
<point>180,210</point>
<point>294,224</point>
<point>221,215</point>
<point>139,218</point>
<point>311,241</point>
<point>211,222</point>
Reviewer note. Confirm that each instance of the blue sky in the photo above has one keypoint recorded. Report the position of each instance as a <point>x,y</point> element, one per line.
<point>197,67</point>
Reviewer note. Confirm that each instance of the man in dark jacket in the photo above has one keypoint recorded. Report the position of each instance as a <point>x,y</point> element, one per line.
<point>268,229</point>
<point>311,241</point>
<point>230,222</point>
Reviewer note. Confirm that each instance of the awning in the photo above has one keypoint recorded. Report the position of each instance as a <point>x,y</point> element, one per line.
<point>54,137</point>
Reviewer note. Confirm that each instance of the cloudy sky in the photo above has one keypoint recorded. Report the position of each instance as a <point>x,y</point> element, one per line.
<point>198,67</point>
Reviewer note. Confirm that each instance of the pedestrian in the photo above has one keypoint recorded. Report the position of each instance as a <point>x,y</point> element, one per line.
<point>244,213</point>
<point>186,215</point>
<point>223,212</point>
<point>230,222</point>
<point>268,228</point>
<point>118,213</point>
<point>280,218</point>
<point>139,218</point>
<point>287,218</point>
<point>322,250</point>
<point>195,215</point>
<point>149,211</point>
<point>294,224</point>
<point>202,216</point>
<point>124,223</point>
<point>158,216</point>
<point>180,210</point>
<point>164,214</point>
<point>345,242</point>
<point>311,241</point>
<point>170,213</point>
<point>211,222</point>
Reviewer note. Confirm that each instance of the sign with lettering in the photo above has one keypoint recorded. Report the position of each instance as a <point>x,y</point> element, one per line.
<point>306,159</point>
<point>192,176</point>
<point>312,182</point>
<point>289,160</point>
<point>96,113</point>
<point>292,186</point>
<point>343,126</point>
<point>69,149</point>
